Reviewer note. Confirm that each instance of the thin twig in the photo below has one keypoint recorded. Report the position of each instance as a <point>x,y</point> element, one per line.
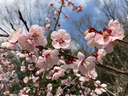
<point>111,68</point>
<point>123,41</point>
<point>4,31</point>
<point>81,89</point>
<point>21,18</point>
<point>3,35</point>
<point>12,26</point>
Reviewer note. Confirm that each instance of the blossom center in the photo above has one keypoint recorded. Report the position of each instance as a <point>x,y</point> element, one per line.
<point>60,40</point>
<point>35,35</point>
<point>105,34</point>
<point>49,57</point>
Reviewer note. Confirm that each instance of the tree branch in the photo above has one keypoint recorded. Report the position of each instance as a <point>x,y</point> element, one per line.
<point>12,26</point>
<point>21,18</point>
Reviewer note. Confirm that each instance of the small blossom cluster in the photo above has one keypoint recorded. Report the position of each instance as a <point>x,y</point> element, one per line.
<point>106,39</point>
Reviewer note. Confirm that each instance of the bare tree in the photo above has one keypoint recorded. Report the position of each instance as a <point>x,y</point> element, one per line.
<point>34,12</point>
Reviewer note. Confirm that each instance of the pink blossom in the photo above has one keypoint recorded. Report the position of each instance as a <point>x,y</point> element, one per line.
<point>73,8</point>
<point>99,90</point>
<point>92,39</point>
<point>101,54</point>
<point>59,1</point>
<point>31,58</point>
<point>59,91</point>
<point>9,45</point>
<point>51,4</point>
<point>25,42</point>
<point>66,17</point>
<point>47,20</point>
<point>36,34</point>
<point>79,8</point>
<point>13,73</point>
<point>35,79</point>
<point>92,74</point>
<point>2,76</point>
<point>31,67</point>
<point>6,93</point>
<point>82,78</point>
<point>61,39</point>
<point>48,26</point>
<point>39,71</point>
<point>57,72</point>
<point>49,87</point>
<point>26,80</point>
<point>58,25</point>
<point>49,94</point>
<point>22,54</point>
<point>48,59</point>
<point>84,65</point>
<point>56,13</point>
<point>23,69</point>
<point>15,35</point>
<point>70,63</point>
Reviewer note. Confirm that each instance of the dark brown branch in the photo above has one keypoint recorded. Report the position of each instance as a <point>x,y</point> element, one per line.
<point>58,15</point>
<point>3,35</point>
<point>111,68</point>
<point>4,31</point>
<point>123,41</point>
<point>12,26</point>
<point>21,18</point>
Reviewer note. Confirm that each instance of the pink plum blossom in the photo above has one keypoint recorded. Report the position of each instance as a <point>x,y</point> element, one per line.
<point>66,17</point>
<point>99,90</point>
<point>23,69</point>
<point>51,4</point>
<point>15,35</point>
<point>26,80</point>
<point>48,26</point>
<point>48,59</point>
<point>22,54</point>
<point>92,74</point>
<point>25,42</point>
<point>56,13</point>
<point>9,45</point>
<point>49,87</point>
<point>59,26</point>
<point>100,55</point>
<point>31,67</point>
<point>61,39</point>
<point>70,63</point>
<point>82,78</point>
<point>47,20</point>
<point>84,65</point>
<point>57,72</point>
<point>49,94</point>
<point>36,34</point>
<point>31,58</point>
<point>59,91</point>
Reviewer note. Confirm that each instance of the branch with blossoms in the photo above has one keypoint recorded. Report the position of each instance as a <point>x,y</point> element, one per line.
<point>46,64</point>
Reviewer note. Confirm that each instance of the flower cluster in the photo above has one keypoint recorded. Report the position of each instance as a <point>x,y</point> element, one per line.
<point>106,39</point>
